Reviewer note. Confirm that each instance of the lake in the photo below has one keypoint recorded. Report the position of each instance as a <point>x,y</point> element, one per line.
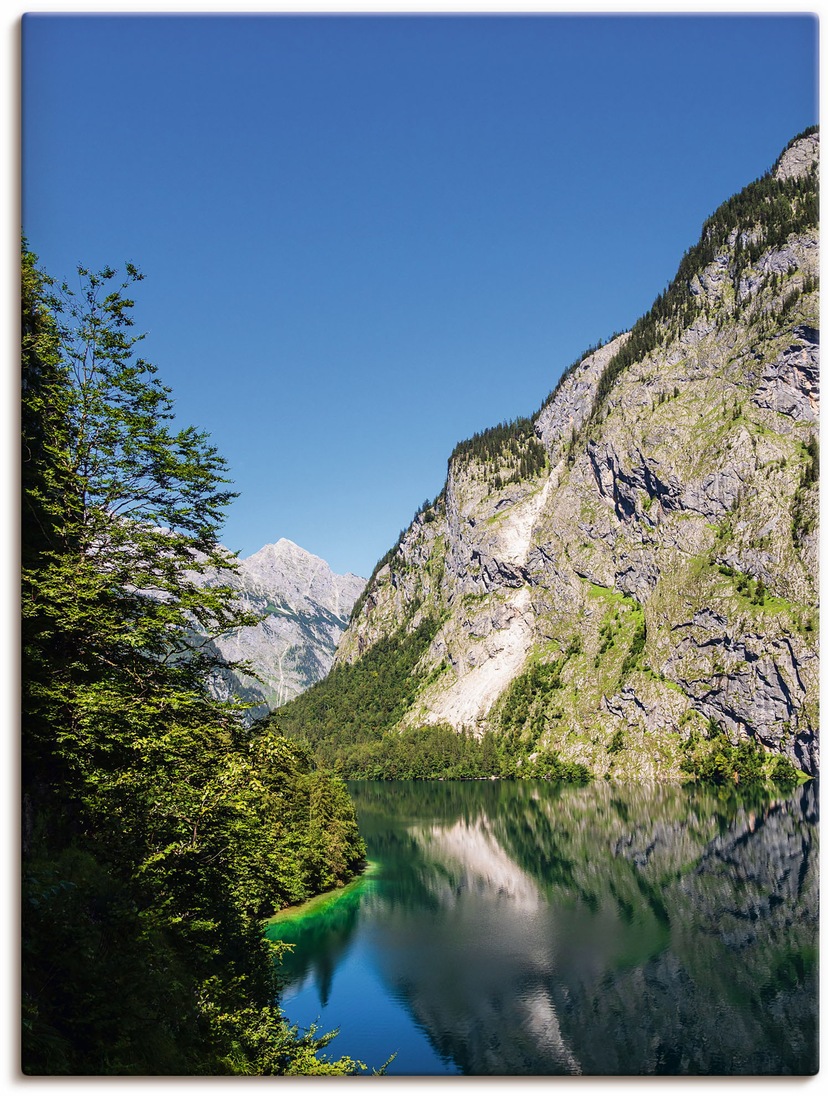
<point>523,928</point>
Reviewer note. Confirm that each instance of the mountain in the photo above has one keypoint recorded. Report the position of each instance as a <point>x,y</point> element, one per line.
<point>627,580</point>
<point>305,608</point>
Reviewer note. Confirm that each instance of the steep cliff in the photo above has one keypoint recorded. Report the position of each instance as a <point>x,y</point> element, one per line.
<point>659,553</point>
<point>304,608</point>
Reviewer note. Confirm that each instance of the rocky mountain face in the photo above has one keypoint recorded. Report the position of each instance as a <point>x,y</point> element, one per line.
<point>662,552</point>
<point>305,609</point>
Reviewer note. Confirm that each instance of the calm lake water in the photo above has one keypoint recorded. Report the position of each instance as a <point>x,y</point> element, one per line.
<point>524,928</point>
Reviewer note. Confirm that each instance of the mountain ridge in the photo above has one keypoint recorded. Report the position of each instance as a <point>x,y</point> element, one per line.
<point>671,531</point>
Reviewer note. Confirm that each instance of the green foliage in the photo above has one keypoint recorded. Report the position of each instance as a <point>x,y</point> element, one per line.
<point>639,639</point>
<point>747,586</point>
<point>510,452</point>
<point>783,774</point>
<point>575,646</point>
<point>607,634</point>
<point>356,704</point>
<point>158,966</point>
<point>522,715</point>
<point>157,831</point>
<point>524,699</point>
<point>424,753</point>
<point>617,741</point>
<point>548,765</point>
<point>349,721</point>
<point>715,760</point>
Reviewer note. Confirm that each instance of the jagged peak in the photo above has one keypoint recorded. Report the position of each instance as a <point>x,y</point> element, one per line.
<point>283,547</point>
<point>288,550</point>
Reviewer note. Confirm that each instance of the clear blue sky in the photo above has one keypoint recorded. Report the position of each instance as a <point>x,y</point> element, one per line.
<point>366,238</point>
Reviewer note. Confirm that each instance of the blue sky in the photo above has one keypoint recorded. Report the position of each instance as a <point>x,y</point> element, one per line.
<point>366,238</point>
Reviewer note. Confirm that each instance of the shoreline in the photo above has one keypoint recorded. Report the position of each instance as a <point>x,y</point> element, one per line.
<point>325,898</point>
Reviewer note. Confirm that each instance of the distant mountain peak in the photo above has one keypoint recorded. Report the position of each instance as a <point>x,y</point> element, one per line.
<point>283,547</point>
<point>302,578</point>
<point>305,608</point>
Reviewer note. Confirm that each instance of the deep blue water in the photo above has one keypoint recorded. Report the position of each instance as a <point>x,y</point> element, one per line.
<point>524,928</point>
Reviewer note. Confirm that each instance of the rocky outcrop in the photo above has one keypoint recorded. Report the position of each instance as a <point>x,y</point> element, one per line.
<point>304,609</point>
<point>569,407</point>
<point>799,158</point>
<point>790,383</point>
<point>666,554</point>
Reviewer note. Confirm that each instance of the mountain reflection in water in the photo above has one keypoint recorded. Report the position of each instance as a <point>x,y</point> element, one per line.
<point>524,928</point>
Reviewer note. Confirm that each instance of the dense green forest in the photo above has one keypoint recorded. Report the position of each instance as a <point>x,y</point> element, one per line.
<point>348,722</point>
<point>157,832</point>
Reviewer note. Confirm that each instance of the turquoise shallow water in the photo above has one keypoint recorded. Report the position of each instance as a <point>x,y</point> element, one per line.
<point>522,928</point>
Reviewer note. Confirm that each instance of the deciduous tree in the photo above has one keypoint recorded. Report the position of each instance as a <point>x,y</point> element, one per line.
<point>158,830</point>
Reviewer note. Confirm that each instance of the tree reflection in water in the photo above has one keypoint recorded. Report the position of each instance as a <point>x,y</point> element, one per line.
<point>532,929</point>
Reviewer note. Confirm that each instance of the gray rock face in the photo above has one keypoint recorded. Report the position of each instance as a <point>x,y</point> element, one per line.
<point>573,399</point>
<point>790,383</point>
<point>799,158</point>
<point>305,609</point>
<point>682,510</point>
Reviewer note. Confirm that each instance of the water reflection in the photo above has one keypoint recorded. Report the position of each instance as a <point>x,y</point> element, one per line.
<point>606,930</point>
<point>318,943</point>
